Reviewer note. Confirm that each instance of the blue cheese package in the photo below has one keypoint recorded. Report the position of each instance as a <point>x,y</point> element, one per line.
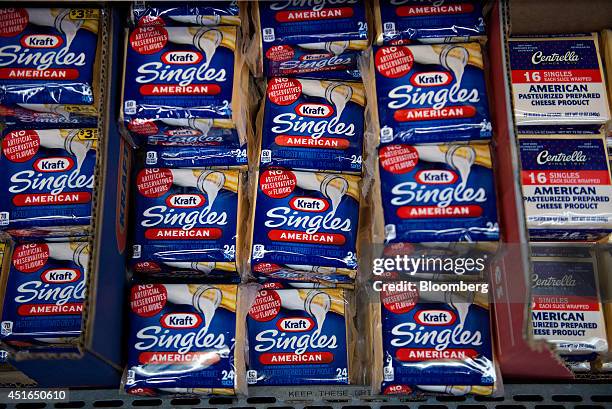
<point>48,55</point>
<point>307,219</point>
<point>423,345</point>
<point>314,125</point>
<point>200,13</point>
<point>47,181</point>
<point>185,338</point>
<point>567,187</point>
<point>437,193</point>
<point>181,72</point>
<point>566,309</point>
<point>185,217</point>
<point>48,116</point>
<point>299,337</point>
<point>44,295</point>
<point>430,93</point>
<point>408,21</point>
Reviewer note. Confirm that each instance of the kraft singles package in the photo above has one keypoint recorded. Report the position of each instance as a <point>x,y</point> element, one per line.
<point>313,125</point>
<point>180,72</point>
<point>331,60</point>
<point>306,219</point>
<point>186,219</point>
<point>304,275</point>
<point>566,307</point>
<point>201,13</point>
<point>408,21</point>
<point>437,193</point>
<point>44,295</point>
<point>185,338</point>
<point>424,345</point>
<point>48,116</point>
<point>566,186</point>
<point>48,55</point>
<point>430,93</point>
<point>47,181</point>
<point>558,81</point>
<point>300,337</point>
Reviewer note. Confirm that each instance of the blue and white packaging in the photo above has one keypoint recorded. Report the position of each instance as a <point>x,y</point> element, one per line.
<point>201,13</point>
<point>306,218</point>
<point>311,276</point>
<point>48,55</point>
<point>437,193</point>
<point>567,189</point>
<point>424,346</point>
<point>431,93</point>
<point>185,338</point>
<point>48,116</point>
<point>180,72</point>
<point>47,181</point>
<point>43,298</point>
<point>185,216</point>
<point>314,125</point>
<point>440,21</point>
<point>299,337</point>
<point>566,309</point>
<point>558,80</point>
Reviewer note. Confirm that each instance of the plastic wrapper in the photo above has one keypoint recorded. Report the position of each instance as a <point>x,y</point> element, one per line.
<point>187,339</point>
<point>200,13</point>
<point>48,181</point>
<point>313,125</point>
<point>43,296</point>
<point>188,219</point>
<point>48,116</point>
<point>302,337</point>
<point>428,93</point>
<point>558,80</point>
<point>48,55</point>
<point>408,21</point>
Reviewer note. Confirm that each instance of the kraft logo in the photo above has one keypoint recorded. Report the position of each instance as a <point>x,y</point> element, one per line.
<point>314,110</point>
<point>53,164</point>
<point>435,317</point>
<point>309,204</point>
<point>315,57</point>
<point>431,79</point>
<point>180,320</point>
<point>295,324</point>
<point>185,201</point>
<point>60,276</point>
<point>183,132</point>
<point>42,41</point>
<point>436,177</point>
<point>181,57</point>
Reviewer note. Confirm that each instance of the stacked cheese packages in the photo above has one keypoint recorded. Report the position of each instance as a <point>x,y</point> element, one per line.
<point>185,106</point>
<point>49,101</point>
<point>433,199</point>
<point>560,108</point>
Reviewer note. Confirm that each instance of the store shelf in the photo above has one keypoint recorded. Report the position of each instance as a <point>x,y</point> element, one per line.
<point>517,396</point>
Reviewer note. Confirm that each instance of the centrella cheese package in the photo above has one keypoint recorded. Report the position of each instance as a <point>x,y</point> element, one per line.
<point>429,93</point>
<point>304,221</point>
<point>301,337</point>
<point>200,13</point>
<point>408,21</point>
<point>315,125</point>
<point>424,344</point>
<point>186,338</point>
<point>44,294</point>
<point>437,193</point>
<point>558,81</point>
<point>314,38</point>
<point>181,72</point>
<point>48,55</point>
<point>48,116</point>
<point>566,308</point>
<point>567,190</point>
<point>47,181</point>
<point>187,219</point>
